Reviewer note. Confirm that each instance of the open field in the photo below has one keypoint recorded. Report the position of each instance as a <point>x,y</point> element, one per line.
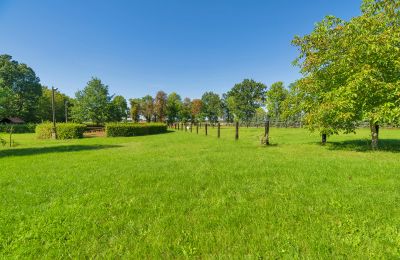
<point>180,194</point>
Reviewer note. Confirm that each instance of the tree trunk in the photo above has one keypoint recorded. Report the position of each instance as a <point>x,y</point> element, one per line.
<point>374,135</point>
<point>323,139</point>
<point>237,131</point>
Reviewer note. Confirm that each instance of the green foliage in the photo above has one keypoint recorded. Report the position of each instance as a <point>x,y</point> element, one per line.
<point>20,90</point>
<point>18,128</point>
<point>211,108</point>
<point>244,98</point>
<point>174,106</point>
<point>135,109</point>
<point>275,97</point>
<point>351,69</point>
<point>92,103</point>
<point>147,107</point>
<point>118,109</point>
<point>186,110</point>
<point>45,113</point>
<point>129,129</point>
<point>64,130</point>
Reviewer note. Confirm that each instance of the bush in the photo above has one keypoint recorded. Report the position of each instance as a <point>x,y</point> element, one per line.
<point>64,130</point>
<point>18,128</point>
<point>131,129</point>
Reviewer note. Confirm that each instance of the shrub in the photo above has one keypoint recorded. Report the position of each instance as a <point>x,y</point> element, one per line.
<point>64,130</point>
<point>131,129</point>
<point>18,129</point>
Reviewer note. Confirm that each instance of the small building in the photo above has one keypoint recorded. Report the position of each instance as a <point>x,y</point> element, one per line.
<point>11,120</point>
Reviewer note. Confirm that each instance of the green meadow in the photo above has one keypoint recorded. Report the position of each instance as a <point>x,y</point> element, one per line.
<point>183,194</point>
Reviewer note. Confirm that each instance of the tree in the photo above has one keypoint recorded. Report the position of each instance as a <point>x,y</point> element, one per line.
<point>244,98</point>
<point>160,106</point>
<point>351,70</point>
<point>7,98</point>
<point>92,103</point>
<point>135,109</point>
<point>147,107</point>
<point>118,109</point>
<point>292,111</point>
<point>197,106</point>
<point>211,106</point>
<point>226,111</point>
<point>44,111</point>
<point>22,87</point>
<point>174,106</point>
<point>275,97</point>
<point>186,111</point>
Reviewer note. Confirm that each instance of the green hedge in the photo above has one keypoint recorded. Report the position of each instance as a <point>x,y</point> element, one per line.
<point>64,130</point>
<point>131,129</point>
<point>18,128</point>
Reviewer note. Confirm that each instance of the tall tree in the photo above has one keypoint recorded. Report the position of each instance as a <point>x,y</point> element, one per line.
<point>245,98</point>
<point>275,97</point>
<point>22,87</point>
<point>174,106</point>
<point>92,103</point>
<point>118,109</point>
<point>351,70</point>
<point>186,111</point>
<point>226,111</point>
<point>211,106</point>
<point>135,109</point>
<point>160,106</point>
<point>147,107</point>
<point>197,105</point>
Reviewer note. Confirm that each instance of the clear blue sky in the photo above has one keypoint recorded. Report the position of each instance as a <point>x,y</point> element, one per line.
<point>140,47</point>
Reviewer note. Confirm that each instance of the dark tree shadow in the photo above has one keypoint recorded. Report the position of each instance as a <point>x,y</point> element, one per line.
<point>52,149</point>
<point>389,145</point>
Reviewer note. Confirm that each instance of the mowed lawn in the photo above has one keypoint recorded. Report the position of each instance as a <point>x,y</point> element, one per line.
<point>180,195</point>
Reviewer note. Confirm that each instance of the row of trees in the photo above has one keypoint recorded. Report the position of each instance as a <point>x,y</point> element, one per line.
<point>22,95</point>
<point>242,103</point>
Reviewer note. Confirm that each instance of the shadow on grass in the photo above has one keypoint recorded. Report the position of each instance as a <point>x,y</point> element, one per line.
<point>389,145</point>
<point>52,149</point>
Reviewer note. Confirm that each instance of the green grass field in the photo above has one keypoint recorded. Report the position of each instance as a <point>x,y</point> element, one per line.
<point>180,195</point>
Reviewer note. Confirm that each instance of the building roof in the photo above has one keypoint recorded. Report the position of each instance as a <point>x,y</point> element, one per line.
<point>12,120</point>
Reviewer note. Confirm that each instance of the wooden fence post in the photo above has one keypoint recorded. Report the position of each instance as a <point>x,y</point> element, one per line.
<point>266,133</point>
<point>197,128</point>
<point>191,127</point>
<point>206,125</point>
<point>219,130</point>
<point>178,125</point>
<point>185,127</point>
<point>237,131</point>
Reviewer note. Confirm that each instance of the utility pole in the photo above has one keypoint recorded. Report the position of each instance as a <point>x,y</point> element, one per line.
<point>54,130</point>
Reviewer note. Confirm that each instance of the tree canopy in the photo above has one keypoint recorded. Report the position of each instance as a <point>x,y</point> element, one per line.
<point>20,89</point>
<point>92,103</point>
<point>211,107</point>
<point>351,70</point>
<point>244,98</point>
